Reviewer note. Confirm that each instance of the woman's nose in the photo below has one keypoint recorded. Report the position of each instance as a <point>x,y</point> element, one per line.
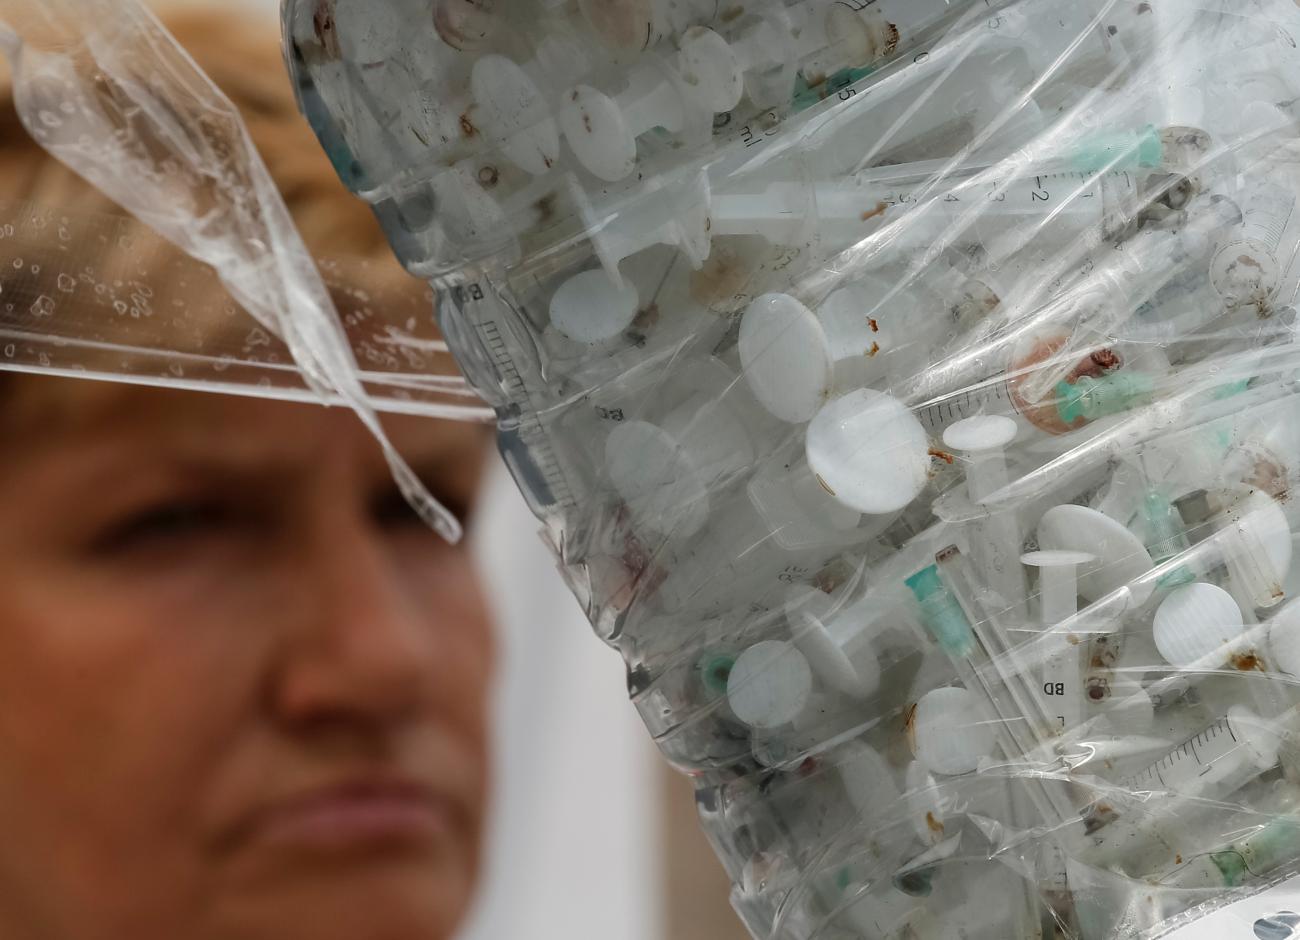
<point>364,647</point>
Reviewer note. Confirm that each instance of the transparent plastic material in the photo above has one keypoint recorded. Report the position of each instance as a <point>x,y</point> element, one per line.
<point>222,294</point>
<point>908,390</point>
<point>98,296</point>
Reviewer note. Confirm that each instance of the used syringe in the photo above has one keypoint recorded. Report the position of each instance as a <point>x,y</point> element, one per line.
<point>1176,402</point>
<point>1001,681</point>
<point>903,205</point>
<point>1248,271</point>
<point>1218,761</point>
<point>603,124</point>
<point>863,32</point>
<point>1211,766</point>
<point>1049,207</point>
<point>1257,855</point>
<point>1094,306</point>
<point>1062,674</point>
<point>981,443</point>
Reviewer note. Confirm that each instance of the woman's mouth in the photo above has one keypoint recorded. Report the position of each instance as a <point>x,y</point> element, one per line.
<point>355,815</point>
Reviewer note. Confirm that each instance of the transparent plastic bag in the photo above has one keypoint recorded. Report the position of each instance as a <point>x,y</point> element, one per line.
<point>908,392</point>
<point>907,389</point>
<point>97,296</point>
<point>105,90</point>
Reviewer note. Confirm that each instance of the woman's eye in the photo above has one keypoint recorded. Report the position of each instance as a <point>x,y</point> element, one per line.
<point>392,509</point>
<point>165,522</point>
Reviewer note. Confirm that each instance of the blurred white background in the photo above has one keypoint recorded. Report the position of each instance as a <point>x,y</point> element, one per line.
<point>573,851</point>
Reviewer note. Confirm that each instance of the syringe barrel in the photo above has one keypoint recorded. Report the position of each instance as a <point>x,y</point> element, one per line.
<point>1048,208</point>
<point>1253,857</point>
<point>1249,560</point>
<point>996,553</point>
<point>858,33</point>
<point>1247,270</point>
<point>1214,764</point>
<point>987,396</point>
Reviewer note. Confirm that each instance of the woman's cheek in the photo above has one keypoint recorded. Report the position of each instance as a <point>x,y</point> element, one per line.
<point>454,590</point>
<point>104,745</point>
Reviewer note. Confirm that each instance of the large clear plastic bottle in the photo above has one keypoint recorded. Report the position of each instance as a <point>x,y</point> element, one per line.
<point>805,322</point>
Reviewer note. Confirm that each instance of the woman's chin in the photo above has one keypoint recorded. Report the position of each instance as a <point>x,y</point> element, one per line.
<point>391,899</point>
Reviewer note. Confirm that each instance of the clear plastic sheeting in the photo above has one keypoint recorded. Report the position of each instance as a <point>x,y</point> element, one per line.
<point>98,296</point>
<point>909,392</point>
<point>102,87</point>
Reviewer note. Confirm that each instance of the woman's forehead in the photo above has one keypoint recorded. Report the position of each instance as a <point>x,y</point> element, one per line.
<point>46,410</point>
<point>42,414</point>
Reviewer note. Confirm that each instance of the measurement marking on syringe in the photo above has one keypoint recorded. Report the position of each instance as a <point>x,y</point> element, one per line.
<point>496,343</point>
<point>1194,748</point>
<point>530,425</point>
<point>989,398</point>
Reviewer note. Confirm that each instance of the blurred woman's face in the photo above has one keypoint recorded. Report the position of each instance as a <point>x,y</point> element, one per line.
<point>242,688</point>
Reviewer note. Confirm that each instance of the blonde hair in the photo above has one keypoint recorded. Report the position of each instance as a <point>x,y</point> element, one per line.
<point>136,274</point>
<point>244,61</point>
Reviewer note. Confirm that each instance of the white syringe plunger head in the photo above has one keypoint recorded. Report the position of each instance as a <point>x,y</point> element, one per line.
<point>869,780</point>
<point>869,452</point>
<point>592,308</point>
<point>981,434</point>
<point>950,732</point>
<point>835,640</point>
<point>710,67</point>
<point>1121,557</point>
<point>786,358</point>
<point>601,139</point>
<point>667,471</point>
<point>602,130</point>
<point>770,684</point>
<point>1065,560</point>
<point>1284,639</point>
<point>1198,625</point>
<point>515,113</point>
<point>652,473</point>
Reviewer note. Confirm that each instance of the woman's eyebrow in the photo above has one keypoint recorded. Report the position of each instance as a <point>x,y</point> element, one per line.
<point>120,466</point>
<point>149,446</point>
